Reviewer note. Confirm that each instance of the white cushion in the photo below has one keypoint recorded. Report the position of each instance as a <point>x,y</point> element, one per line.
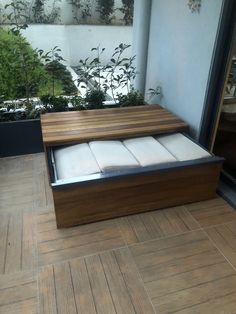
<point>182,147</point>
<point>112,155</point>
<point>148,151</point>
<point>74,161</point>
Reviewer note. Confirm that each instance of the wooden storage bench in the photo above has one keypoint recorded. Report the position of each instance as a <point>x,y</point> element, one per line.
<point>95,195</point>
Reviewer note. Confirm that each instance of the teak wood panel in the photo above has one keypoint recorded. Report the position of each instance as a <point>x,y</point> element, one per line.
<point>132,194</point>
<point>82,126</point>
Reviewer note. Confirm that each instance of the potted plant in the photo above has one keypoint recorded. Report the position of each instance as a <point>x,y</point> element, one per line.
<point>25,73</point>
<point>132,98</point>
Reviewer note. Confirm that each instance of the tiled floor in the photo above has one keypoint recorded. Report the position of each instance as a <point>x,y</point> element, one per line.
<point>178,260</point>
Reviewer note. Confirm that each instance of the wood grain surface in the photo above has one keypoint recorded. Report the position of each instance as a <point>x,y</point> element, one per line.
<point>132,194</point>
<point>82,126</point>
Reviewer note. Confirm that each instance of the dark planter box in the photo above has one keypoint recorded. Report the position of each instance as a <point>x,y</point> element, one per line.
<point>20,138</point>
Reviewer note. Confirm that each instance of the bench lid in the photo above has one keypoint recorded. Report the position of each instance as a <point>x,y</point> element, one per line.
<point>83,126</point>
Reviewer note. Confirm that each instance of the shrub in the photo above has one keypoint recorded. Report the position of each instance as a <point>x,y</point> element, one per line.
<point>95,98</point>
<point>58,72</point>
<point>133,98</point>
<point>20,68</point>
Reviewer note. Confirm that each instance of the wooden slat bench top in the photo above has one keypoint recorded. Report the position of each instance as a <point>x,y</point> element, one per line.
<point>82,126</point>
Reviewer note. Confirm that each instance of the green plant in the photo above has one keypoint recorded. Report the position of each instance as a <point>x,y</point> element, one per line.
<point>105,77</point>
<point>127,10</point>
<point>32,11</point>
<point>59,73</point>
<point>154,92</point>
<point>19,62</point>
<point>33,113</point>
<point>53,15</point>
<point>231,83</point>
<point>90,71</point>
<point>11,116</point>
<point>127,72</point>
<point>46,87</point>
<point>52,57</point>
<point>80,10</point>
<point>54,104</point>
<point>59,103</point>
<point>17,16</point>
<point>94,99</point>
<point>38,11</point>
<point>86,10</point>
<point>133,98</point>
<point>21,70</point>
<point>76,102</point>
<point>105,9</point>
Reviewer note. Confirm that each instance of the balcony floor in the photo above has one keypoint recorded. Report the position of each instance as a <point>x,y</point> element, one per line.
<point>177,260</point>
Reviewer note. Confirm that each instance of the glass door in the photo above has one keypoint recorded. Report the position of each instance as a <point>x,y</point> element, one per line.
<point>225,140</point>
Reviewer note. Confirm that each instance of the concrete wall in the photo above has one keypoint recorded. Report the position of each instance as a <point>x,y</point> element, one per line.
<point>76,41</point>
<point>180,50</point>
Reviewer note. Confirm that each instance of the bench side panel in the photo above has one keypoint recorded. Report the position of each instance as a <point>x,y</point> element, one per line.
<point>95,201</point>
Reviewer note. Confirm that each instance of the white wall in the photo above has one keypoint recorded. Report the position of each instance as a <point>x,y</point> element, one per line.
<point>180,51</point>
<point>84,37</point>
<point>76,41</point>
<point>47,37</point>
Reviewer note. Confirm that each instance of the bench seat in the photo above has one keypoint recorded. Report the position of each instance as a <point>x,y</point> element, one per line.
<point>88,188</point>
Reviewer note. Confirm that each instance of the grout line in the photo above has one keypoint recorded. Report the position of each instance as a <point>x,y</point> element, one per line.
<point>197,222</point>
<point>220,251</point>
<point>55,287</point>
<point>6,244</point>
<point>84,256</point>
<point>164,237</point>
<point>107,282</point>
<point>21,236</point>
<point>73,288</point>
<point>125,283</point>
<point>136,270</point>
<point>36,255</point>
<point>212,241</point>
<point>91,289</point>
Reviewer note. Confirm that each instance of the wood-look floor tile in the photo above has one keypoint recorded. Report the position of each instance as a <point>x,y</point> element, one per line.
<point>17,242</point>
<point>24,184</point>
<point>212,212</point>
<point>225,304</point>
<point>224,237</point>
<point>43,199</point>
<point>18,293</point>
<point>61,244</point>
<point>184,272</point>
<point>104,284</point>
<point>182,269</point>
<point>156,224</point>
<point>16,192</point>
<point>18,165</point>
